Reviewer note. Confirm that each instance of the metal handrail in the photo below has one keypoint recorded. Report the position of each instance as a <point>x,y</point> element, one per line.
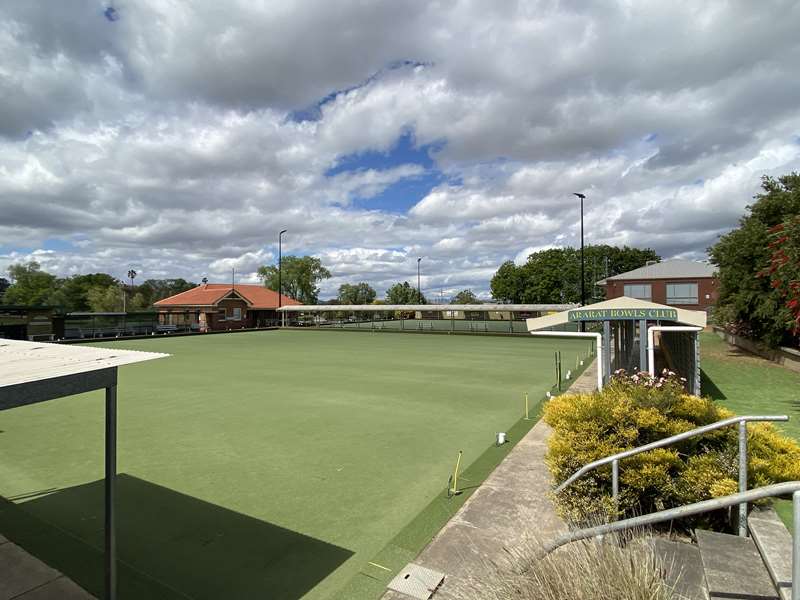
<point>768,491</point>
<point>615,458</point>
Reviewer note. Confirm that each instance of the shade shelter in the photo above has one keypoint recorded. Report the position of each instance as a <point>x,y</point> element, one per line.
<point>32,372</point>
<point>626,323</point>
<point>487,318</point>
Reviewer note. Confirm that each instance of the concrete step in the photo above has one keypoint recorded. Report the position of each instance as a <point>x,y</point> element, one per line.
<point>733,567</point>
<point>774,543</point>
<point>684,568</point>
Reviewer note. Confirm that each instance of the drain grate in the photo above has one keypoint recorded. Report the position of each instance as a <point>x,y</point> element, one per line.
<point>416,582</point>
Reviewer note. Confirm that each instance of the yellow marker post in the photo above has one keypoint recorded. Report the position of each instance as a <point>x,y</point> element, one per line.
<point>527,416</point>
<point>454,490</point>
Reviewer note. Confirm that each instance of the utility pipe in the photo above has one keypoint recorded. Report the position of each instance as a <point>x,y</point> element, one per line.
<point>584,335</point>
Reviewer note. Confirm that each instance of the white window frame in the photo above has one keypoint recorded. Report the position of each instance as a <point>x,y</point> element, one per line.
<point>236,313</point>
<point>649,287</point>
<point>685,299</point>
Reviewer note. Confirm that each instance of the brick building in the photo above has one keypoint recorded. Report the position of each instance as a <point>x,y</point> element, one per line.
<point>221,306</point>
<point>680,283</point>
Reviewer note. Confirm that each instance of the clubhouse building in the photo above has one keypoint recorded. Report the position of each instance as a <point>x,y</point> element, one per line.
<point>221,307</point>
<point>678,283</point>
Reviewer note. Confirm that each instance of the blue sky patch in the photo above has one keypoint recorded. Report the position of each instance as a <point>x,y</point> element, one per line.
<point>403,152</point>
<point>314,111</point>
<point>111,14</point>
<point>401,195</point>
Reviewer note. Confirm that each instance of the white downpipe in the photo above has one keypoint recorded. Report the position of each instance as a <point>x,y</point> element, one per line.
<point>581,334</point>
<point>651,349</point>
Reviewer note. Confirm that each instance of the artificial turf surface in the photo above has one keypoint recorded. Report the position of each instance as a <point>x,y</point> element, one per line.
<point>750,385</point>
<point>271,464</point>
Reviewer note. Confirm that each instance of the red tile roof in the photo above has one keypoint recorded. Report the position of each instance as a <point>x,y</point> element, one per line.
<point>259,297</point>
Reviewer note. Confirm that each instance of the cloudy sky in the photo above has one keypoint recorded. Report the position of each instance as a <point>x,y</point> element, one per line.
<point>178,138</point>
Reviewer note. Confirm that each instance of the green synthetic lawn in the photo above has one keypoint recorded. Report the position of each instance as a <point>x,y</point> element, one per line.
<point>750,385</point>
<point>271,464</point>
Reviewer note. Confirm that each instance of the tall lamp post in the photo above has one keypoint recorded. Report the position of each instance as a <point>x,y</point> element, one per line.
<point>280,287</point>
<point>419,289</point>
<point>583,267</point>
<point>583,279</point>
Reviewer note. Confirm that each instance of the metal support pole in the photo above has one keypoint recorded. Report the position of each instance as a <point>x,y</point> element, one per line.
<point>796,547</point>
<point>606,366</point>
<point>743,477</point>
<point>110,484</point>
<point>615,485</point>
<point>643,345</point>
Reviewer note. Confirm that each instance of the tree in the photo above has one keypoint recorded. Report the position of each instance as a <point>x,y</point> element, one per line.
<point>4,285</point>
<point>465,297</point>
<point>358,293</point>
<point>71,295</point>
<point>748,303</point>
<point>153,290</point>
<point>554,275</point>
<point>105,299</point>
<point>300,277</point>
<point>31,286</point>
<point>784,269</point>
<point>506,285</point>
<point>404,293</point>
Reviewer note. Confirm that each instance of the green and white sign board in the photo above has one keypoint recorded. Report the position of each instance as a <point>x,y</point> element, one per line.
<point>623,314</point>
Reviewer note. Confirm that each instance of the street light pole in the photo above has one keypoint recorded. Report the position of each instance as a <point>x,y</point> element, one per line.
<point>280,287</point>
<point>419,289</point>
<point>583,267</point>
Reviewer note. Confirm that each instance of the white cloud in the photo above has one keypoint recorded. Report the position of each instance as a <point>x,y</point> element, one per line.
<point>164,139</point>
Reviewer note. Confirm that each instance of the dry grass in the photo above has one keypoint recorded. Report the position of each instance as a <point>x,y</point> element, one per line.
<point>608,569</point>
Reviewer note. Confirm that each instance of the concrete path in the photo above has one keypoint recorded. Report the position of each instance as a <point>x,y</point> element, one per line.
<point>501,514</point>
<point>24,577</point>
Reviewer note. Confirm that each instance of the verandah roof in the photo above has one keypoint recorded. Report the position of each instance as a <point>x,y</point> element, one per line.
<point>698,318</point>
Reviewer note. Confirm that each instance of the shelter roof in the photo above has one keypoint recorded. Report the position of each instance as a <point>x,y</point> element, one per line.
<point>427,307</point>
<point>25,362</point>
<point>622,308</point>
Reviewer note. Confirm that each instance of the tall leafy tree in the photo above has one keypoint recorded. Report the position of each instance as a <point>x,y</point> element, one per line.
<point>300,277</point>
<point>357,293</point>
<point>31,286</point>
<point>465,297</point>
<point>105,298</point>
<point>72,293</point>
<point>784,270</point>
<point>153,290</point>
<point>748,302</point>
<point>4,285</point>
<point>554,275</point>
<point>506,284</point>
<point>404,293</point>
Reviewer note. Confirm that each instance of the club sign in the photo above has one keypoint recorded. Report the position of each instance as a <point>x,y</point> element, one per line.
<point>623,314</point>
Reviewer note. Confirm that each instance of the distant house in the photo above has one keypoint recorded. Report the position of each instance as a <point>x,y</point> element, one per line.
<point>221,306</point>
<point>681,283</point>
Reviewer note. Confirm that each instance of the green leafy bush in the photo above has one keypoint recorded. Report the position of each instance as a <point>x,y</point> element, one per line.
<point>637,409</point>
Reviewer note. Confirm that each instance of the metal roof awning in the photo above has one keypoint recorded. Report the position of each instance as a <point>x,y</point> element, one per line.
<point>426,307</point>
<point>32,372</point>
<point>618,309</point>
